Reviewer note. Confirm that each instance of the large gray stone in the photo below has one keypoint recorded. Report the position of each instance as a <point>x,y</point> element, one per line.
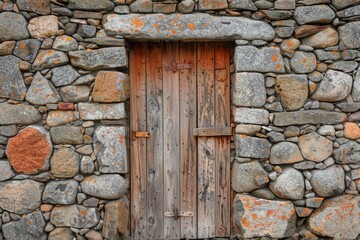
<point>314,14</point>
<point>29,227</point>
<point>340,4</point>
<point>66,135</point>
<point>91,5</point>
<point>356,87</point>
<point>105,186</point>
<point>289,185</point>
<point>344,66</point>
<point>75,93</point>
<point>248,89</point>
<point>27,49</point>
<point>251,116</point>
<point>110,149</point>
<point>116,220</point>
<point>337,218</point>
<point>11,81</point>
<point>64,75</point>
<point>315,147</point>
<point>293,90</point>
<point>75,216</point>
<point>308,117</point>
<point>246,176</point>
<point>256,217</point>
<point>350,34</point>
<point>199,26</point>
<point>334,87</point>
<point>252,59</point>
<point>112,57</point>
<point>348,153</point>
<point>243,4</point>
<point>40,6</point>
<point>13,26</point>
<point>6,171</point>
<point>41,91</point>
<point>349,12</point>
<point>329,182</point>
<point>49,59</point>
<point>60,192</point>
<point>252,147</point>
<point>303,62</point>
<point>18,114</point>
<point>285,153</point>
<point>95,111</point>
<point>20,197</point>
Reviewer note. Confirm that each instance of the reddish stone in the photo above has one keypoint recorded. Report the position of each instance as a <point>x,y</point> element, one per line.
<point>65,106</point>
<point>29,151</point>
<point>351,130</point>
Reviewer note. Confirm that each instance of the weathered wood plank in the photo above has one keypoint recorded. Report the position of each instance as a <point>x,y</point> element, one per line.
<point>206,145</point>
<point>213,132</point>
<point>138,146</point>
<point>188,162</point>
<point>155,204</point>
<point>222,153</point>
<point>171,141</point>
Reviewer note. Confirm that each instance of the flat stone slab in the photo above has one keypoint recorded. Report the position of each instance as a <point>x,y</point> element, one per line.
<point>191,27</point>
<point>95,111</point>
<point>18,114</point>
<point>105,186</point>
<point>308,117</point>
<point>252,147</point>
<point>76,216</point>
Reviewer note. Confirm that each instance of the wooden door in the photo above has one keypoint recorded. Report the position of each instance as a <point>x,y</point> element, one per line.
<point>180,150</point>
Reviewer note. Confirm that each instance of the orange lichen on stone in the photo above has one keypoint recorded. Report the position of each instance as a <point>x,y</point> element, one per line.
<point>191,26</point>
<point>351,130</point>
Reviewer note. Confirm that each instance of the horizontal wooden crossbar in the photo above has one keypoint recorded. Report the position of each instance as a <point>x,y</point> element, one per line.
<point>212,132</point>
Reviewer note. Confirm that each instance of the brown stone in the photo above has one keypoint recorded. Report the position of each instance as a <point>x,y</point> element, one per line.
<point>65,163</point>
<point>315,147</point>
<point>7,47</point>
<point>46,207</point>
<point>326,38</point>
<point>351,130</point>
<point>164,7</point>
<point>116,222</point>
<point>86,15</point>
<point>29,151</point>
<point>58,117</point>
<point>111,86</point>
<point>212,4</point>
<point>38,6</point>
<point>307,30</point>
<point>44,26</point>
<point>65,106</point>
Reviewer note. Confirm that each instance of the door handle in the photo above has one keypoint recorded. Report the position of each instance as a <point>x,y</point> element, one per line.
<point>140,135</point>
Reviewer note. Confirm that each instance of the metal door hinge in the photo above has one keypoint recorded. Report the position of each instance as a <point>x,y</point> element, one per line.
<point>140,135</point>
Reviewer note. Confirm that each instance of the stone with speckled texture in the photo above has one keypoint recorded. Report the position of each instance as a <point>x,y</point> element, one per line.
<point>105,186</point>
<point>76,216</point>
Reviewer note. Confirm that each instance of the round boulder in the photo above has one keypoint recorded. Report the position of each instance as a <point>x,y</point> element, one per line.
<point>30,150</point>
<point>328,182</point>
<point>315,147</point>
<point>285,153</point>
<point>303,62</point>
<point>289,185</point>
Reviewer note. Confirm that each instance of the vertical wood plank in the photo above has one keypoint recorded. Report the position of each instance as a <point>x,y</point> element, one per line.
<point>222,144</point>
<point>188,163</point>
<point>138,147</point>
<point>206,145</point>
<point>171,141</point>
<point>155,207</point>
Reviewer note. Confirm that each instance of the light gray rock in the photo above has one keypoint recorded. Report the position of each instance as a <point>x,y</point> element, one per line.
<point>341,4</point>
<point>41,7</point>
<point>289,185</point>
<point>65,43</point>
<point>350,34</point>
<point>41,91</point>
<point>248,89</point>
<point>112,57</point>
<point>289,45</point>
<point>11,82</point>
<point>285,153</point>
<point>349,12</point>
<point>8,131</point>
<point>327,222</point>
<point>308,117</point>
<point>264,193</point>
<point>91,5</point>
<point>20,197</point>
<point>303,62</point>
<point>266,59</point>
<point>49,59</point>
<point>199,26</point>
<point>334,87</point>
<point>105,186</point>
<point>95,111</point>
<point>347,153</point>
<point>285,4</point>
<point>75,216</point>
<point>18,114</point>
<point>6,171</point>
<point>322,55</point>
<point>344,66</point>
<point>326,38</point>
<point>326,130</point>
<point>13,26</point>
<point>277,14</point>
<point>252,147</point>
<point>328,182</point>
<point>62,234</point>
<point>66,135</point>
<point>29,227</point>
<point>275,137</point>
<point>244,176</point>
<point>110,149</point>
<point>314,14</point>
<point>123,9</point>
<point>243,4</point>
<point>87,165</point>
<point>59,117</point>
<point>64,75</point>
<point>27,49</point>
<point>305,165</point>
<point>356,87</point>
<point>75,93</point>
<point>292,90</point>
<point>86,31</point>
<point>280,223</point>
<point>315,147</point>
<point>251,116</point>
<point>141,6</point>
<point>60,192</point>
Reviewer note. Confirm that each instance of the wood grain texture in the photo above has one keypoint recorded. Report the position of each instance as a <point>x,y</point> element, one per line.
<point>213,132</point>
<point>138,147</point>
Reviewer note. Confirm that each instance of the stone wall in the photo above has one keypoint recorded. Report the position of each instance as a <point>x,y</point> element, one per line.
<point>64,93</point>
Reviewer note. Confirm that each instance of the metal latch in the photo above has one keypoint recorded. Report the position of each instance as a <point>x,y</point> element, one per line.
<point>140,135</point>
<point>176,213</point>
